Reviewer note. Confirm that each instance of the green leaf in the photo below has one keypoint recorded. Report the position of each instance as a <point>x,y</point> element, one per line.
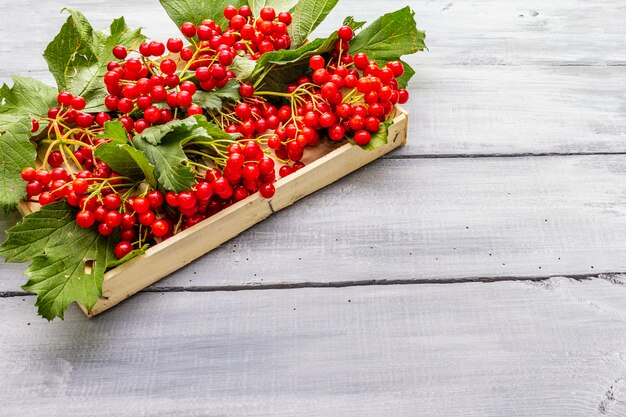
<point>163,146</point>
<point>115,131</point>
<point>307,15</point>
<point>212,100</point>
<point>126,160</point>
<point>195,11</point>
<point>278,5</point>
<point>28,97</point>
<point>68,263</point>
<point>242,67</point>
<point>78,56</point>
<point>17,152</point>
<point>70,271</point>
<point>390,37</point>
<point>33,234</point>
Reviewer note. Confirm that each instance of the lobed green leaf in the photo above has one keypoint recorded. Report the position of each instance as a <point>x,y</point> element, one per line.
<point>78,56</point>
<point>390,37</point>
<point>68,263</point>
<point>307,15</point>
<point>213,100</point>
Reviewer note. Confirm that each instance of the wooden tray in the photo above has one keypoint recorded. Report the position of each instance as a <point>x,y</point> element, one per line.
<point>325,164</point>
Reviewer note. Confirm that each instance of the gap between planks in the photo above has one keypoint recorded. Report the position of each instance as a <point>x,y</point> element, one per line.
<point>617,278</point>
<point>499,155</point>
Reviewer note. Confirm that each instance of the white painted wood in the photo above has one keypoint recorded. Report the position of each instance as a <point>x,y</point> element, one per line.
<point>432,219</point>
<point>472,32</point>
<point>501,349</point>
<point>516,110</point>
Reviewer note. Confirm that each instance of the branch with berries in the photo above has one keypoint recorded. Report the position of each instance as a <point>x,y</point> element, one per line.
<point>142,139</point>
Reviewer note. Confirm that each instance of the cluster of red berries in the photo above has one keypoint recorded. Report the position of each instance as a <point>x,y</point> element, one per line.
<point>171,73</point>
<point>70,110</point>
<point>247,171</point>
<point>348,96</point>
<point>348,102</point>
<point>344,97</point>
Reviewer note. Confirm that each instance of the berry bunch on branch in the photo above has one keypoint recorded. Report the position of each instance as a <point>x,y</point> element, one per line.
<point>144,138</point>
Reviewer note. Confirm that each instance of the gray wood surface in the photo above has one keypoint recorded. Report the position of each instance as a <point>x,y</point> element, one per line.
<point>509,177</point>
<point>431,219</point>
<point>502,349</point>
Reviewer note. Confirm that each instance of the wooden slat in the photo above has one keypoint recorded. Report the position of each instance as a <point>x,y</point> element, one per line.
<point>473,32</point>
<point>502,349</point>
<point>516,110</point>
<point>436,219</point>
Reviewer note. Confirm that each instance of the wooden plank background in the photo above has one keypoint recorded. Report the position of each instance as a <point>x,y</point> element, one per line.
<point>513,174</point>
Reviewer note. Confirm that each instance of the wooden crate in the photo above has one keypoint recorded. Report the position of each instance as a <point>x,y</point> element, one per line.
<point>325,164</point>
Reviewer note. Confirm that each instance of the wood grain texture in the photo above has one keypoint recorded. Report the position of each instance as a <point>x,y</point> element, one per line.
<point>472,32</point>
<point>431,219</point>
<point>502,349</point>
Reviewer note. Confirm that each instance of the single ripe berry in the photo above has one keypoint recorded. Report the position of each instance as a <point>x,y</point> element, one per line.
<point>34,126</point>
<point>152,114</point>
<point>194,109</point>
<point>78,103</point>
<point>157,48</point>
<point>55,159</point>
<point>204,33</point>
<point>345,33</point>
<point>160,228</point>
<point>186,200</point>
<point>120,52</point>
<point>316,62</point>
<point>184,99</point>
<point>29,174</point>
<point>268,13</point>
<point>122,249</point>
<point>156,199</point>
<point>85,219</point>
<point>245,11</point>
<point>230,12</point>
<point>172,81</point>
<point>168,67</point>
<point>361,61</point>
<point>403,96</point>
<point>141,205</point>
<point>362,137</point>
<point>80,186</point>
<point>243,111</point>
<point>174,45</point>
<point>113,219</point>
<point>188,29</point>
<point>65,99</point>
<point>112,201</point>
<point>267,190</point>
<point>246,90</point>
<point>285,17</point>
<point>33,188</point>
